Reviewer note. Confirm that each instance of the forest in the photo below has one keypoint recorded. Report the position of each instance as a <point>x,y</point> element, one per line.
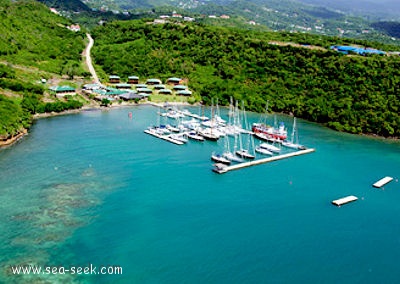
<point>352,93</point>
<point>35,44</point>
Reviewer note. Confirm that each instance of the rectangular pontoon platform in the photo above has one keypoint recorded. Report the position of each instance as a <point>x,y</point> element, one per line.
<point>382,182</point>
<point>344,200</point>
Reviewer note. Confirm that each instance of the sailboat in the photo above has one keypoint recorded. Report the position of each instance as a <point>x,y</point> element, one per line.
<point>244,152</point>
<point>228,154</point>
<point>270,147</point>
<point>293,143</point>
<point>263,151</point>
<point>208,133</point>
<point>220,159</point>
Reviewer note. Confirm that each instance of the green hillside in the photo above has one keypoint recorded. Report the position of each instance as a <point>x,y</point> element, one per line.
<point>69,5</point>
<point>35,44</point>
<point>33,36</point>
<point>351,93</point>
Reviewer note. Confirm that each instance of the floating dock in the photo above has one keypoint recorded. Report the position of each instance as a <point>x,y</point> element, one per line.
<point>344,200</point>
<point>382,182</point>
<point>225,169</point>
<point>164,137</point>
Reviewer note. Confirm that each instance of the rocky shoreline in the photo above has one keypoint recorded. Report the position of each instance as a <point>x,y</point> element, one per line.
<point>13,139</point>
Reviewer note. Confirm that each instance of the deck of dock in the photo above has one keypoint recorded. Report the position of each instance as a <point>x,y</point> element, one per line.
<point>164,137</point>
<point>265,160</point>
<point>344,200</point>
<point>382,182</point>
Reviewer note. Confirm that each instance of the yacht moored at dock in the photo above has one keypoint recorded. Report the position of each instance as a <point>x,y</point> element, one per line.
<point>263,151</point>
<point>220,159</point>
<point>270,147</point>
<point>194,136</point>
<point>243,153</point>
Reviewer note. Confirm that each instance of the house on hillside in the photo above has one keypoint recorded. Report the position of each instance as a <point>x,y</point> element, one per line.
<point>114,79</point>
<point>180,87</point>
<point>61,91</point>
<point>144,90</point>
<point>130,96</point>
<point>123,86</point>
<point>133,80</point>
<point>74,28</point>
<point>174,81</point>
<point>165,92</point>
<point>159,87</point>
<point>153,82</point>
<point>183,93</point>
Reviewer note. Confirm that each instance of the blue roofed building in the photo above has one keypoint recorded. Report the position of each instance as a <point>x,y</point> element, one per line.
<point>345,49</point>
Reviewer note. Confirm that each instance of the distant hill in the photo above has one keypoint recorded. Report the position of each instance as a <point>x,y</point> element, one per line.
<point>66,5</point>
<point>374,9</point>
<point>289,15</point>
<point>391,28</point>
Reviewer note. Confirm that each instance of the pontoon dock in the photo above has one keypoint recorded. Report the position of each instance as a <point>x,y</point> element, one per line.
<point>265,160</point>
<point>164,137</point>
<point>344,200</point>
<point>382,182</point>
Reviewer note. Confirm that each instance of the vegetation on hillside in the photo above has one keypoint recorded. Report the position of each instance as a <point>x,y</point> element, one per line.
<point>349,93</point>
<point>33,38</point>
<point>72,5</point>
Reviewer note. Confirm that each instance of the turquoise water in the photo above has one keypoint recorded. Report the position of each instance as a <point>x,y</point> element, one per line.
<point>93,188</point>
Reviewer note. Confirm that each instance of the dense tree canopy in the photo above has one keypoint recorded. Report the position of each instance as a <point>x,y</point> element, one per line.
<point>33,38</point>
<point>351,93</point>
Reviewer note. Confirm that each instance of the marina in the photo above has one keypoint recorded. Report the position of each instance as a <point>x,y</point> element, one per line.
<point>124,189</point>
<point>382,182</point>
<point>344,200</point>
<point>179,131</point>
<point>223,169</point>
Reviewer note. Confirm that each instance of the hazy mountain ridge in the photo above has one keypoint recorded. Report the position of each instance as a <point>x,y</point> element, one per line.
<point>374,9</point>
<point>289,15</point>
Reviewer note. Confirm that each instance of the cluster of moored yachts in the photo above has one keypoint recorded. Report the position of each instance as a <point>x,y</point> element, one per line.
<point>201,128</point>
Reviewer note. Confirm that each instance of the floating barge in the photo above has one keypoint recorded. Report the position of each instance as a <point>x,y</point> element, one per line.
<point>223,169</point>
<point>382,182</point>
<point>164,137</point>
<point>344,200</point>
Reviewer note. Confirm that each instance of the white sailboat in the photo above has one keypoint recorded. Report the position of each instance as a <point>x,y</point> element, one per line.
<point>270,147</point>
<point>294,139</point>
<point>263,151</point>
<point>194,136</point>
<point>179,137</point>
<point>220,159</point>
<point>245,152</point>
<point>228,154</point>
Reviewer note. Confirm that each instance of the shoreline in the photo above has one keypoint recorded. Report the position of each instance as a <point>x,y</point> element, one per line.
<point>14,139</point>
<point>11,141</point>
<point>98,107</point>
